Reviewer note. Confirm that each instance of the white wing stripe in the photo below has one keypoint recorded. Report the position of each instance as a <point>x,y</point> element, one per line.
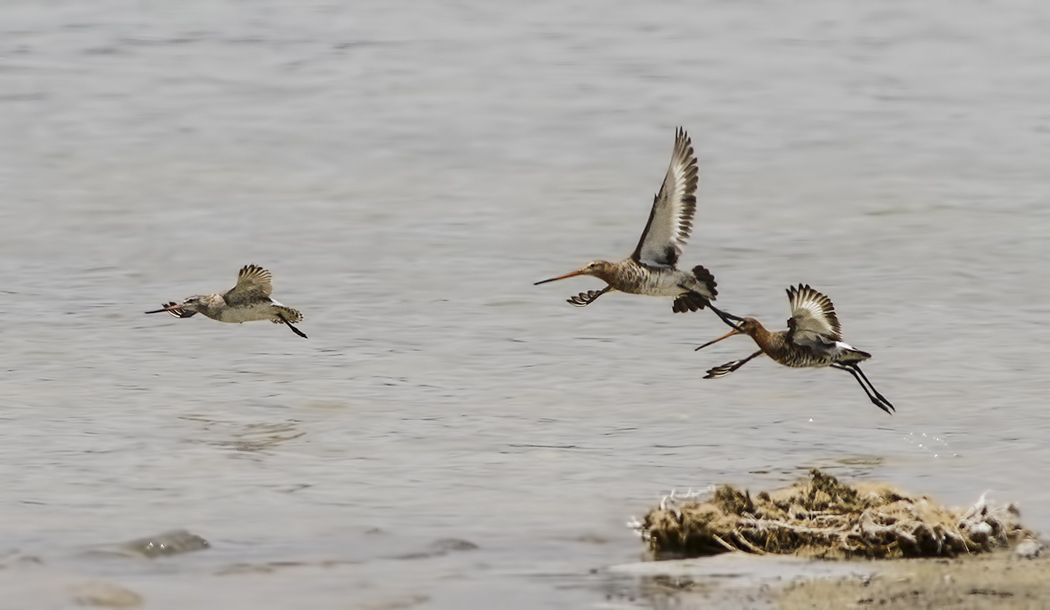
<point>813,316</point>
<point>671,218</point>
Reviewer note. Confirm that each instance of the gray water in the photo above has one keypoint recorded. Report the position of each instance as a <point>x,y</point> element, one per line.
<point>406,171</point>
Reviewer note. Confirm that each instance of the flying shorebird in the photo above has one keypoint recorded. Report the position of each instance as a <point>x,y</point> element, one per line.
<point>813,339</point>
<point>249,300</point>
<point>651,268</point>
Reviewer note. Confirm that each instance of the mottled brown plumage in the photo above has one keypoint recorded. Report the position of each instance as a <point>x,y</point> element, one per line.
<point>248,301</point>
<point>813,339</point>
<point>652,267</point>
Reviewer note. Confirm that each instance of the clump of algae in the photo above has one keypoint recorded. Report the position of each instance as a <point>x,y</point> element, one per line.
<point>827,519</point>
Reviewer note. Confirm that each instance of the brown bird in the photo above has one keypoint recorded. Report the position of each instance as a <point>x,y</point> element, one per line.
<point>813,339</point>
<point>651,268</point>
<point>248,301</point>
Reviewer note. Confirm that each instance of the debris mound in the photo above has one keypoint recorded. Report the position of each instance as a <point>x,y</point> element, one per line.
<point>827,519</point>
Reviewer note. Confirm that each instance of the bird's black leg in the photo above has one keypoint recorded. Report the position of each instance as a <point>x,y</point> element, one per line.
<point>725,316</point>
<point>586,298</point>
<point>721,313</point>
<point>692,300</point>
<point>862,384</point>
<point>289,324</point>
<point>729,367</point>
<point>856,367</point>
<point>877,399</point>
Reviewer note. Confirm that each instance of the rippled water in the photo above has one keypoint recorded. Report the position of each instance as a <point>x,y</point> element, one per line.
<point>406,171</point>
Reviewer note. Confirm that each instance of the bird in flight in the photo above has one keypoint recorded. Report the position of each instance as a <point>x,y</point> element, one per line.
<point>813,339</point>
<point>248,301</point>
<point>652,267</point>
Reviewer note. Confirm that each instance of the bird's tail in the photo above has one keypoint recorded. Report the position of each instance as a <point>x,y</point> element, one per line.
<point>699,297</point>
<point>849,355</point>
<point>290,315</point>
<point>706,278</point>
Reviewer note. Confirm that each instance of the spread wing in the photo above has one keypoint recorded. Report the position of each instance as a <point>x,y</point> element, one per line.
<point>253,283</point>
<point>813,322</point>
<point>671,219</point>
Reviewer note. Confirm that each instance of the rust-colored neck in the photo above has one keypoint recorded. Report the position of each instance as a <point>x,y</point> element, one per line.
<point>769,342</point>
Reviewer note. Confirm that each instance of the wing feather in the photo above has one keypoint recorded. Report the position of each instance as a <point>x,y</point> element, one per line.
<point>671,219</point>
<point>253,283</point>
<point>813,322</point>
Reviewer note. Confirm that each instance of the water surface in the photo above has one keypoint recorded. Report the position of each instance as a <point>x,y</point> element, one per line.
<point>406,172</point>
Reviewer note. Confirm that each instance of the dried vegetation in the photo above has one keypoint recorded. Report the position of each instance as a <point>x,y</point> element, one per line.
<point>824,518</point>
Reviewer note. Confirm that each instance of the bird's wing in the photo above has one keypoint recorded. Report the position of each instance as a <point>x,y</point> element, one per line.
<point>813,322</point>
<point>671,219</point>
<point>253,282</point>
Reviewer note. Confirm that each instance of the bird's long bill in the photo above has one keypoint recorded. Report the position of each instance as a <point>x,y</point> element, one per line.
<point>561,277</point>
<point>725,336</point>
<point>168,308</point>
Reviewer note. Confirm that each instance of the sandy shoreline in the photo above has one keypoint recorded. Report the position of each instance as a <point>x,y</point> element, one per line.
<point>998,580</point>
<point>738,580</point>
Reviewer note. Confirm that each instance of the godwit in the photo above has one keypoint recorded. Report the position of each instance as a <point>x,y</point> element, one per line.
<point>813,339</point>
<point>651,268</point>
<point>249,300</point>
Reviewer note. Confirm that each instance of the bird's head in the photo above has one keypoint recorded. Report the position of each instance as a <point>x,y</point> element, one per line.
<point>748,326</point>
<point>194,303</point>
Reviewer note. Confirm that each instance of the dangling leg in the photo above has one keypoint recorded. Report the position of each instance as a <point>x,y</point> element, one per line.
<point>725,316</point>
<point>289,324</point>
<point>729,367</point>
<point>586,298</point>
<point>853,370</point>
<point>856,367</point>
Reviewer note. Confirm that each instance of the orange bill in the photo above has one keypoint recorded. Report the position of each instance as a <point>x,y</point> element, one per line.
<point>725,336</point>
<point>561,277</point>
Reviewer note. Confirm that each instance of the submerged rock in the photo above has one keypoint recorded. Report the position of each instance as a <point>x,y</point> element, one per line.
<point>164,544</point>
<point>825,518</point>
<point>446,545</point>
